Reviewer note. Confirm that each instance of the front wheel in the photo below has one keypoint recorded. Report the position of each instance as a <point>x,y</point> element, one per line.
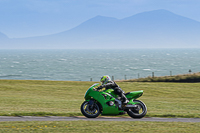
<point>139,112</point>
<point>90,111</point>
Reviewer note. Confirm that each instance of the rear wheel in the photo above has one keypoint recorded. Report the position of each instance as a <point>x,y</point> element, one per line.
<point>138,112</point>
<point>90,111</point>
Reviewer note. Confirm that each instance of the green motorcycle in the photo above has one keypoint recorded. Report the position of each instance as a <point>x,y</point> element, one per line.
<point>106,102</point>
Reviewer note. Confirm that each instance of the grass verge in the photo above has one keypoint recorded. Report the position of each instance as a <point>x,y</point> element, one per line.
<point>99,126</point>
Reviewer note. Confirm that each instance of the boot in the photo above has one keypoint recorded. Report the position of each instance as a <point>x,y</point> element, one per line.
<point>125,100</point>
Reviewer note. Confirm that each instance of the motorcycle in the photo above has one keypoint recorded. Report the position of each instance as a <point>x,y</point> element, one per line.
<point>106,102</point>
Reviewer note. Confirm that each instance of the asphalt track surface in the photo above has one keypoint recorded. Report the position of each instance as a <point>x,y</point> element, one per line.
<point>59,118</point>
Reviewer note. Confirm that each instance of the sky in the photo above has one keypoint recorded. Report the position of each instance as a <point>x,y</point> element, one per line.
<point>26,18</point>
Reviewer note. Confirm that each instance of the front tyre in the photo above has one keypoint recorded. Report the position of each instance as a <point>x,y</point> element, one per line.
<point>138,112</point>
<point>90,111</point>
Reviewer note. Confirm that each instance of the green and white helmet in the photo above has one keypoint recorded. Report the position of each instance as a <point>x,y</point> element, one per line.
<point>105,79</point>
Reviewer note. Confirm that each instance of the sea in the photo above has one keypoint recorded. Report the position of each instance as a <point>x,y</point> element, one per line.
<point>91,64</point>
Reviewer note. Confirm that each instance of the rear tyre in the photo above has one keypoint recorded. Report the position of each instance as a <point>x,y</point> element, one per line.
<point>90,111</point>
<point>138,112</point>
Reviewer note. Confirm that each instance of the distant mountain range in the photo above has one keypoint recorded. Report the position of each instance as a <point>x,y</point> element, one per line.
<point>153,29</point>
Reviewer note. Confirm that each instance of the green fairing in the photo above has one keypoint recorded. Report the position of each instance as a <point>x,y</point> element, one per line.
<point>106,108</point>
<point>111,91</point>
<point>91,93</point>
<point>102,97</point>
<point>134,94</point>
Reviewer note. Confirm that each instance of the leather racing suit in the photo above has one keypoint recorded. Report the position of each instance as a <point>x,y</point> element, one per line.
<point>117,90</point>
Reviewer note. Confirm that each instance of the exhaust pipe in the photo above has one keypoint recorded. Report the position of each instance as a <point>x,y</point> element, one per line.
<point>130,106</point>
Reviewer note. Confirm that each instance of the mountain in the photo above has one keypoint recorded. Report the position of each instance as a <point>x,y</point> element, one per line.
<point>3,36</point>
<point>153,29</point>
<point>3,39</point>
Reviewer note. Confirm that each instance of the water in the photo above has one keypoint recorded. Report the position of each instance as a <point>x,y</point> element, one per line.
<point>82,65</point>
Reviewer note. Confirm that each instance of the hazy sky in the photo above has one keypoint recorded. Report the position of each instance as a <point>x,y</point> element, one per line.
<point>24,18</point>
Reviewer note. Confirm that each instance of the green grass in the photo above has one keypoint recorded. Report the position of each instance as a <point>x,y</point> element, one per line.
<point>64,98</point>
<point>99,126</point>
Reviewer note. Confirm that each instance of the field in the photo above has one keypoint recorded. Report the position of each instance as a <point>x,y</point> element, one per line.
<point>40,98</point>
<point>63,98</point>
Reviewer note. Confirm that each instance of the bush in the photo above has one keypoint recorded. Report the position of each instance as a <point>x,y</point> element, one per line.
<point>186,78</point>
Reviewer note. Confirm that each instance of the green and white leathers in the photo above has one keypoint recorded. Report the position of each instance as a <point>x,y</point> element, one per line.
<point>106,102</point>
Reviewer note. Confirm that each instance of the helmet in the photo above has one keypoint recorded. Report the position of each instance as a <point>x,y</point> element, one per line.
<point>105,79</point>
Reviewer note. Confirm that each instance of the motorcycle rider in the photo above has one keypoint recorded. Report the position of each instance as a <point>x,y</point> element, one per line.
<point>107,83</point>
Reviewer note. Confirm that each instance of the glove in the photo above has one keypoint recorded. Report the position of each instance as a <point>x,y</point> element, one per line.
<point>99,88</point>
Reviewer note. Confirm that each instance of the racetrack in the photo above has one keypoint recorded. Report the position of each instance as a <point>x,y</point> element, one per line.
<point>59,118</point>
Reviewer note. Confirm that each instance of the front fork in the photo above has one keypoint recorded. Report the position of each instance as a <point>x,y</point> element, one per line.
<point>91,103</point>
